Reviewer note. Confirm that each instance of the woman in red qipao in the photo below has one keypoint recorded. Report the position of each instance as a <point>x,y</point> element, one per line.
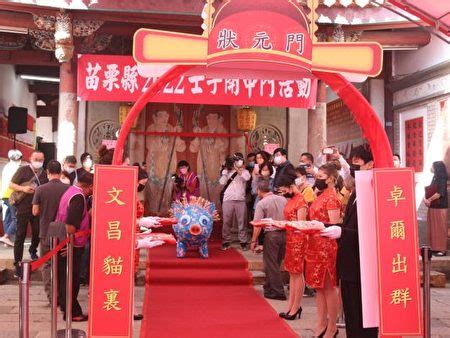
<point>296,209</point>
<point>321,253</point>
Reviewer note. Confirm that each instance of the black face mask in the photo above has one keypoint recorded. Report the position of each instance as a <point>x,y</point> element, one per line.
<point>353,168</point>
<point>141,187</point>
<point>288,195</point>
<point>321,183</point>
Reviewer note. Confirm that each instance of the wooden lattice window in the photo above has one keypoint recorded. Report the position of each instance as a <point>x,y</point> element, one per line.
<point>414,143</point>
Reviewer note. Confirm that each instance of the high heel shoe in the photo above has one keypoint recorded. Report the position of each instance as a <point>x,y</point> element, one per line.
<point>336,333</point>
<point>294,316</point>
<point>323,333</point>
<point>283,314</point>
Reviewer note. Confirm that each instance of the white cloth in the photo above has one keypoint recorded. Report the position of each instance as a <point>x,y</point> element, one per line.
<point>236,189</point>
<point>7,174</point>
<point>333,232</point>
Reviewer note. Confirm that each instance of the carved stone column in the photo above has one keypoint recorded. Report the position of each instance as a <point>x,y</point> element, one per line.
<point>317,122</point>
<point>67,111</point>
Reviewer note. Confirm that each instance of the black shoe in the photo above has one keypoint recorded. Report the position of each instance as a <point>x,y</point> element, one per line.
<point>283,314</point>
<point>17,271</point>
<point>244,246</point>
<point>138,317</point>
<point>81,318</point>
<point>309,292</point>
<point>225,246</point>
<point>33,255</point>
<point>336,333</point>
<point>276,297</point>
<point>323,333</point>
<point>295,315</point>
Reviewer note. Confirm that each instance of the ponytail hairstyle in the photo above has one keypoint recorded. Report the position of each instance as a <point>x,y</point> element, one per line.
<point>331,170</point>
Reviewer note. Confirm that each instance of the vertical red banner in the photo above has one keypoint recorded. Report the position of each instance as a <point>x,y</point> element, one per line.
<point>398,252</point>
<point>111,291</point>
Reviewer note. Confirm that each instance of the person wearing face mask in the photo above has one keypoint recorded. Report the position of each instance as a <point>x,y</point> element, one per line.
<point>70,169</point>
<point>8,210</point>
<point>260,158</point>
<point>301,181</point>
<point>348,262</point>
<point>24,183</point>
<point>270,206</point>
<point>87,164</point>
<point>186,182</point>
<point>283,166</point>
<point>234,181</point>
<point>73,212</point>
<point>265,172</point>
<point>45,205</point>
<point>320,272</point>
<point>296,209</point>
<point>436,199</point>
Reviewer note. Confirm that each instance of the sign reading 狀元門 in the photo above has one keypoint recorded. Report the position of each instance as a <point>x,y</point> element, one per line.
<point>112,252</point>
<point>397,247</point>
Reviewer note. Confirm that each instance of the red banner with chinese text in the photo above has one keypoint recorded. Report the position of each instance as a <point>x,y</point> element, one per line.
<point>112,252</point>
<point>116,78</point>
<point>398,250</point>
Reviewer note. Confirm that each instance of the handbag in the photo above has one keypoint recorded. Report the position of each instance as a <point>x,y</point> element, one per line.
<point>17,196</point>
<point>430,191</point>
<point>222,193</point>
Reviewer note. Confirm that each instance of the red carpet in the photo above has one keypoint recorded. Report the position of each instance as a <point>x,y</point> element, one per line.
<point>212,298</point>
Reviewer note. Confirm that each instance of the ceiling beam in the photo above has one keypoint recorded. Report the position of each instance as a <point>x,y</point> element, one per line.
<point>50,111</point>
<point>28,57</point>
<point>44,88</point>
<point>38,71</point>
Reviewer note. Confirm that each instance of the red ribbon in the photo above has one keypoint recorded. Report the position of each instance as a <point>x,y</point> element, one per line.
<point>186,134</point>
<point>38,263</point>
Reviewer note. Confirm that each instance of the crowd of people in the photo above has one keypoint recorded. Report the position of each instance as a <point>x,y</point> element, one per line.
<point>323,190</point>
<point>59,196</point>
<point>258,186</point>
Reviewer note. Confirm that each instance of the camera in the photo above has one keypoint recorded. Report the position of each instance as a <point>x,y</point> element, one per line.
<point>177,180</point>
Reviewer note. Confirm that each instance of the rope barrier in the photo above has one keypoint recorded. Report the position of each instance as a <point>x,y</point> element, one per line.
<point>38,263</point>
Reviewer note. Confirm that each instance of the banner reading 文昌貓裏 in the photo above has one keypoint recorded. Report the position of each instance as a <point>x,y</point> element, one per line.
<point>112,252</point>
<point>397,247</point>
<point>116,78</point>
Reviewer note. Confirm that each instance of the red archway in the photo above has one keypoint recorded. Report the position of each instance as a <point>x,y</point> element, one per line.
<point>362,111</point>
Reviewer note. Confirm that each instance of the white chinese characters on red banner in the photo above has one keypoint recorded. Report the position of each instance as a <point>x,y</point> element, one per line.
<point>115,78</point>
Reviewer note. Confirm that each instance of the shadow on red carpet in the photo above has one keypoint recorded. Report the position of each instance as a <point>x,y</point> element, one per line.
<point>205,298</point>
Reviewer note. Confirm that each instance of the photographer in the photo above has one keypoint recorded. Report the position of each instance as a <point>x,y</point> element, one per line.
<point>186,183</point>
<point>234,179</point>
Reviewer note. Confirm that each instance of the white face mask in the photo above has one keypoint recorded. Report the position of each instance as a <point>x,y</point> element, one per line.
<point>69,170</point>
<point>65,180</point>
<point>239,163</point>
<point>299,181</point>
<point>277,160</point>
<point>37,164</point>
<point>87,164</point>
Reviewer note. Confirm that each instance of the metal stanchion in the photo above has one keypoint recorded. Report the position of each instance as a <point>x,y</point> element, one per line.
<point>54,280</point>
<point>69,332</point>
<point>426,265</point>
<point>69,286</point>
<point>24,300</point>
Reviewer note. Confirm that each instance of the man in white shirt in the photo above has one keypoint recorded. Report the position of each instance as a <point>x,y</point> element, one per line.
<point>234,179</point>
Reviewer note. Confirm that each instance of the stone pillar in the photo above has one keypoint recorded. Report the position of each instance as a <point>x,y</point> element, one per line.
<point>317,122</point>
<point>298,139</point>
<point>67,111</point>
